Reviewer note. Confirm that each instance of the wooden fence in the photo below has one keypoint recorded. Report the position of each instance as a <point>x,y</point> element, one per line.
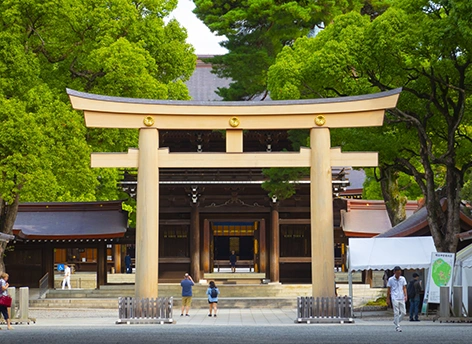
<point>324,309</point>
<point>133,310</point>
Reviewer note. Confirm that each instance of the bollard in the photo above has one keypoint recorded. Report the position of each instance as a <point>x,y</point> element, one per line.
<point>23,305</point>
<point>457,301</point>
<point>469,301</point>
<point>12,293</point>
<point>444,302</point>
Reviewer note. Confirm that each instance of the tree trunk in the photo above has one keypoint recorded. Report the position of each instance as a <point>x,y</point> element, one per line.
<point>394,202</point>
<point>8,213</point>
<point>444,218</point>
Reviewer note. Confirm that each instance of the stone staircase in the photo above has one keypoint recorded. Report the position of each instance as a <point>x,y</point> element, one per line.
<point>234,294</point>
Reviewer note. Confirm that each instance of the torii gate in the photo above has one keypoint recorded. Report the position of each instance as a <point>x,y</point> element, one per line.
<point>149,116</point>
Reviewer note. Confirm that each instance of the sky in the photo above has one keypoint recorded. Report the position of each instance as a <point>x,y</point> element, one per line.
<point>204,41</point>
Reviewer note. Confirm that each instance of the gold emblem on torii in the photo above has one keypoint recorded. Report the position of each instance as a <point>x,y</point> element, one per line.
<point>234,122</point>
<point>320,120</point>
<point>148,121</point>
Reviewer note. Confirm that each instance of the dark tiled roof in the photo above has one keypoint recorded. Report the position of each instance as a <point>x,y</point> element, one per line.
<point>203,84</point>
<point>410,226</point>
<point>417,224</point>
<point>57,221</point>
<point>368,218</point>
<point>348,99</point>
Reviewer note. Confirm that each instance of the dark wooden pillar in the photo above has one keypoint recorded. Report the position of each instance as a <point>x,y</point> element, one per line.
<point>195,243</point>
<point>262,246</point>
<point>101,264</point>
<point>117,257</point>
<point>206,246</point>
<point>274,244</point>
<point>48,263</point>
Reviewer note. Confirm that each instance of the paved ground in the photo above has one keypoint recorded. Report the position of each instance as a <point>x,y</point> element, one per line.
<point>231,326</point>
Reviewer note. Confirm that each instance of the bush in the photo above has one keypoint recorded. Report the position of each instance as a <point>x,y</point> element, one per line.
<point>381,301</point>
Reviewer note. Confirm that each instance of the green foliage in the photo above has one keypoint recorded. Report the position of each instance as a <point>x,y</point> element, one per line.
<point>466,193</point>
<point>119,48</point>
<point>283,182</point>
<point>116,47</point>
<point>130,207</point>
<point>256,32</point>
<point>372,189</point>
<point>381,302</point>
<point>421,46</point>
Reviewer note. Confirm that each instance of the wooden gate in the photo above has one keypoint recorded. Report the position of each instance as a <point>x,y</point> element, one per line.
<point>133,310</point>
<point>324,309</point>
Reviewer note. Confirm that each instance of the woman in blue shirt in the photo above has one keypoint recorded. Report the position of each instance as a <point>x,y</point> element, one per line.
<point>213,293</point>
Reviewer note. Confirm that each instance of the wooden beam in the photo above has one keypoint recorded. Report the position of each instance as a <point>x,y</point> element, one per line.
<point>234,141</point>
<point>355,159</point>
<point>129,159</point>
<point>259,121</point>
<point>119,112</point>
<point>234,160</point>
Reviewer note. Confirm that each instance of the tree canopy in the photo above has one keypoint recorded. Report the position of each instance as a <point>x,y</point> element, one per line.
<point>118,48</point>
<point>424,47</point>
<point>256,32</point>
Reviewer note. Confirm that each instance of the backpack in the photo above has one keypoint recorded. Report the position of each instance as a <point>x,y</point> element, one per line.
<point>411,290</point>
<point>214,293</point>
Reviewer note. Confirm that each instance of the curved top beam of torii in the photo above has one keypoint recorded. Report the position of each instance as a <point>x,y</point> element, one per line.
<point>117,112</point>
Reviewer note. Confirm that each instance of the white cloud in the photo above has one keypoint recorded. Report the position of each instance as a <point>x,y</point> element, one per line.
<point>200,36</point>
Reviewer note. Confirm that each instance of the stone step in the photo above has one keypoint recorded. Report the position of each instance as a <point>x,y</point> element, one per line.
<point>362,293</point>
<point>235,278</point>
<point>87,280</point>
<point>255,290</point>
<point>197,303</point>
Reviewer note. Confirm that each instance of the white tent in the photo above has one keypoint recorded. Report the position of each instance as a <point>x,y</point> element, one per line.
<point>463,272</point>
<point>386,253</point>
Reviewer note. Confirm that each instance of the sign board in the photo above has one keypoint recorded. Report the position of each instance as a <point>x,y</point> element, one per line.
<point>440,274</point>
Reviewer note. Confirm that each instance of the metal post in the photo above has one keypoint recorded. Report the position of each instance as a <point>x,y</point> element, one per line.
<point>23,304</point>
<point>457,300</point>
<point>12,293</point>
<point>469,301</point>
<point>349,279</point>
<point>444,302</point>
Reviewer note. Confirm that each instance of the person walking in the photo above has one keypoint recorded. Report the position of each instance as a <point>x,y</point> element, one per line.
<point>213,293</point>
<point>4,292</point>
<point>414,290</point>
<point>66,279</point>
<point>397,296</point>
<point>187,283</point>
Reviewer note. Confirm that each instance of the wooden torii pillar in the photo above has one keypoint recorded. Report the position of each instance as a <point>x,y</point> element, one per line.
<point>150,116</point>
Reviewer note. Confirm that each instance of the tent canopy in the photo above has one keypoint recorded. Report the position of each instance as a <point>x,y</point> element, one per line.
<point>464,257</point>
<point>385,253</point>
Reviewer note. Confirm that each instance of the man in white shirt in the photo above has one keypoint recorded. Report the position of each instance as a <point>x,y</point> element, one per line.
<point>66,279</point>
<point>396,291</point>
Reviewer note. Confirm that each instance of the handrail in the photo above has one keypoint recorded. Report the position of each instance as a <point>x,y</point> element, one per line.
<point>43,285</point>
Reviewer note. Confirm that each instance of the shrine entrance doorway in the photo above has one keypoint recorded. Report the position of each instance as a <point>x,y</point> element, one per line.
<point>240,237</point>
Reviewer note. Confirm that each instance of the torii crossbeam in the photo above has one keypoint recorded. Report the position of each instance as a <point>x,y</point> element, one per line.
<point>150,116</point>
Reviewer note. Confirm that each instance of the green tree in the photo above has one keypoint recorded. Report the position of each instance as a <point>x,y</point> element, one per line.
<point>117,47</point>
<point>424,47</point>
<point>256,32</point>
